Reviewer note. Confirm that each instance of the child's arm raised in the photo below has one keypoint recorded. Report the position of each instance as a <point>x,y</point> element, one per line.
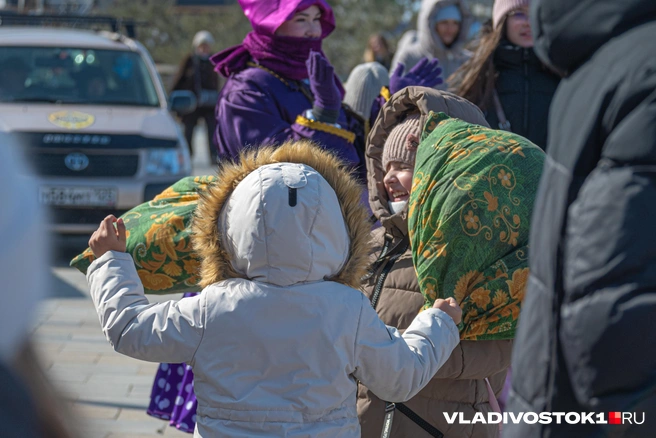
<point>165,332</point>
<point>396,367</point>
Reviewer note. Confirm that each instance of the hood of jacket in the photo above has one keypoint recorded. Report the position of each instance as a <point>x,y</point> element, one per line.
<point>409,100</point>
<point>566,33</point>
<point>427,36</point>
<point>266,16</point>
<point>283,216</point>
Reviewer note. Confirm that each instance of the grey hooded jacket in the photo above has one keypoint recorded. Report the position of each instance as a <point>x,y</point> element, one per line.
<point>425,42</point>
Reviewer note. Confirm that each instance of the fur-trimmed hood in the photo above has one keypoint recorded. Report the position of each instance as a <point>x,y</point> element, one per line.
<point>409,100</point>
<point>427,36</point>
<point>283,216</point>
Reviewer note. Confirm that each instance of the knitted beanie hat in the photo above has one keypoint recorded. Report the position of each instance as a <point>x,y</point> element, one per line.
<point>502,7</point>
<point>401,144</point>
<point>451,12</point>
<point>363,86</point>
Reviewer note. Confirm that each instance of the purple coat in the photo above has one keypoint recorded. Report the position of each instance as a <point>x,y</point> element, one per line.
<point>256,108</point>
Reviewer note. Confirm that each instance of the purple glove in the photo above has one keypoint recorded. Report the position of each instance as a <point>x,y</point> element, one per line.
<point>425,74</point>
<point>327,98</point>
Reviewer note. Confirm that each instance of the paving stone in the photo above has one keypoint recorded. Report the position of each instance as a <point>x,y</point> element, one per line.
<point>78,357</point>
<point>96,369</point>
<point>63,375</point>
<point>148,370</point>
<point>136,415</point>
<point>100,347</point>
<point>117,359</point>
<point>94,390</point>
<point>135,427</point>
<point>93,412</point>
<point>119,379</point>
<point>109,392</point>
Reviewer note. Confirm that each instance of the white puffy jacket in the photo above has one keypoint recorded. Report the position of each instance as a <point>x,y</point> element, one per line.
<point>277,352</point>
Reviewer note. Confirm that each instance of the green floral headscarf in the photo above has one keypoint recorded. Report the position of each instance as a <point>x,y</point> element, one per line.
<point>469,217</point>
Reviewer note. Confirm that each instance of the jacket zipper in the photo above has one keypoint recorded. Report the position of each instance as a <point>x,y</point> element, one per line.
<point>526,91</point>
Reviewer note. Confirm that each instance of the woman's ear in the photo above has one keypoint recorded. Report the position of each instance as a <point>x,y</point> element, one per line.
<point>412,141</point>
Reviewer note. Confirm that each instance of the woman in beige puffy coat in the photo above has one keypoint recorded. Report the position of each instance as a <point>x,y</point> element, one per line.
<point>459,385</point>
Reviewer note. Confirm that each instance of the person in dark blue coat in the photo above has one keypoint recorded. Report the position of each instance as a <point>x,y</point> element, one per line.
<point>585,341</point>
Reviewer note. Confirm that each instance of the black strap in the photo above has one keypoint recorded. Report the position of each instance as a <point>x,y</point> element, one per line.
<point>389,418</point>
<point>429,428</point>
<point>504,123</point>
<point>391,257</point>
<point>381,279</point>
<point>375,265</point>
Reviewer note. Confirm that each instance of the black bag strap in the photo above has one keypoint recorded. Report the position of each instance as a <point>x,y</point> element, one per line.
<point>391,257</point>
<point>429,428</point>
<point>389,419</point>
<point>504,124</point>
<point>381,257</point>
<point>388,257</point>
<point>412,415</point>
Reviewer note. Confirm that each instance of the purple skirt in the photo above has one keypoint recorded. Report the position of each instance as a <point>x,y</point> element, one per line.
<point>172,397</point>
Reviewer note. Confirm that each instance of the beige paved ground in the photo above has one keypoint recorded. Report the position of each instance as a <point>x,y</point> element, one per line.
<point>110,392</point>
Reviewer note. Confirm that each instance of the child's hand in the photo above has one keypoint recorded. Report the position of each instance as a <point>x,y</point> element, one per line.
<point>107,238</point>
<point>451,307</point>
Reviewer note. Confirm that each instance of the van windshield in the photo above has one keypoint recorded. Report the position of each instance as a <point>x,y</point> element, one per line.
<point>75,75</point>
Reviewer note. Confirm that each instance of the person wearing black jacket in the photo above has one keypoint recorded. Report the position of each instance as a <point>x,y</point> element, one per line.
<point>505,78</point>
<point>585,341</point>
<point>525,88</point>
<point>196,73</point>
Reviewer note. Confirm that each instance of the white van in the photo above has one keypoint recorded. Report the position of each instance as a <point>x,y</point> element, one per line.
<point>90,113</point>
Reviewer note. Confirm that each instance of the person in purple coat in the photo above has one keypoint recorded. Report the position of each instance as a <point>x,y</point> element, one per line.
<point>281,86</point>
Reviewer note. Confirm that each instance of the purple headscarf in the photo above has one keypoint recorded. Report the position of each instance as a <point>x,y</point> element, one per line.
<point>284,55</point>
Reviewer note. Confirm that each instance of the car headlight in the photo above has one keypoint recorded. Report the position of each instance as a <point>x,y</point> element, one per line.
<point>162,162</point>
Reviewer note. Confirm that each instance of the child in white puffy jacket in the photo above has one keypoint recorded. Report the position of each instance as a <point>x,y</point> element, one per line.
<point>279,337</point>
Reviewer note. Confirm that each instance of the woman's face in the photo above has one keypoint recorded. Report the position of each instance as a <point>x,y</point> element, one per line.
<point>398,181</point>
<point>378,46</point>
<point>448,31</point>
<point>518,28</point>
<point>204,49</point>
<point>304,24</point>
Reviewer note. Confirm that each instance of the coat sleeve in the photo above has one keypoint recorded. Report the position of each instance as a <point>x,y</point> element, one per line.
<point>609,305</point>
<point>473,360</point>
<point>250,118</point>
<point>182,80</point>
<point>396,367</point>
<point>164,332</point>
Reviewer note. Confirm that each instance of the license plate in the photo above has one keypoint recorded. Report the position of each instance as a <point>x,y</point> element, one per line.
<point>78,196</point>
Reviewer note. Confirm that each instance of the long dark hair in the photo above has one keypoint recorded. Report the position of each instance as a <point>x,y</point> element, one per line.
<point>475,79</point>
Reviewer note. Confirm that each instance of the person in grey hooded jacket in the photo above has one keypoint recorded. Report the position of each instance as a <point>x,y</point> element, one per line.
<point>585,339</point>
<point>442,32</point>
<point>278,337</point>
